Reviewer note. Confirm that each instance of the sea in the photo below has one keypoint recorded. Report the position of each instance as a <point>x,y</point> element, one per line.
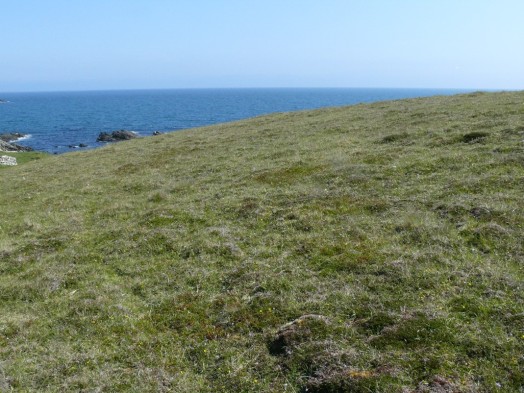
<point>59,122</point>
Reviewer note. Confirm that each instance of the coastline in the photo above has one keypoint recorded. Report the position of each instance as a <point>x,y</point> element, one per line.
<point>59,121</point>
<point>7,139</point>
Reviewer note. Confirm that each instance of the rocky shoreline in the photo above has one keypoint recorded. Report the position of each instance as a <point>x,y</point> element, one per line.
<point>7,140</point>
<point>7,145</point>
<point>11,136</point>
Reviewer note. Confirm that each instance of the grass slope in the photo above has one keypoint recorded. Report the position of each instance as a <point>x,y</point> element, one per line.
<point>391,234</point>
<point>23,157</point>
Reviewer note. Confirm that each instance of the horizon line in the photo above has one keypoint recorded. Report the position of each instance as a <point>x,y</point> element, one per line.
<point>255,88</point>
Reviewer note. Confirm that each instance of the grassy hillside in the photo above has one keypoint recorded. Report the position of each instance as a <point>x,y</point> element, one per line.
<point>374,248</point>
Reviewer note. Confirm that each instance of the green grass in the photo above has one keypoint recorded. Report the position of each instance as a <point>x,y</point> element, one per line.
<point>174,263</point>
<point>23,157</point>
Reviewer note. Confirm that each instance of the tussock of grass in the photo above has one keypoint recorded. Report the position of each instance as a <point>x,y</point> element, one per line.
<point>193,261</point>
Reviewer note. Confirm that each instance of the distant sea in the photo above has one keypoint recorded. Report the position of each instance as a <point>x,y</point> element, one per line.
<point>58,122</point>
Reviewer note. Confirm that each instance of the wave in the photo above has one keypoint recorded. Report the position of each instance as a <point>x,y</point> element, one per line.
<point>23,138</point>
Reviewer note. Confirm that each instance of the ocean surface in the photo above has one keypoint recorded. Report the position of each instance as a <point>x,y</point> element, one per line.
<point>58,122</point>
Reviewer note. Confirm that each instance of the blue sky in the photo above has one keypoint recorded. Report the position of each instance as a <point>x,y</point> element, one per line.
<point>126,44</point>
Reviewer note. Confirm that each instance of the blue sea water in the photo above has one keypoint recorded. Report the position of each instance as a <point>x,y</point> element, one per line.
<point>58,121</point>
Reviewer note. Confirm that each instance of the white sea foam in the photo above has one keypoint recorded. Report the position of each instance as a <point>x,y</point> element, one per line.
<point>28,136</point>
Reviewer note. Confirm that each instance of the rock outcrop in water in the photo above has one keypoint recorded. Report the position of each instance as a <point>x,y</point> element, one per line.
<point>11,136</point>
<point>5,146</point>
<point>116,136</point>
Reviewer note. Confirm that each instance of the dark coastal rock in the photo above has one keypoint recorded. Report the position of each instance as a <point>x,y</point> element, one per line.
<point>116,136</point>
<point>3,101</point>
<point>82,145</point>
<point>157,133</point>
<point>11,136</point>
<point>4,146</point>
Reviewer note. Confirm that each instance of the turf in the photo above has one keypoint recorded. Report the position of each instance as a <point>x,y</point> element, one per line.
<point>373,248</point>
<point>23,157</point>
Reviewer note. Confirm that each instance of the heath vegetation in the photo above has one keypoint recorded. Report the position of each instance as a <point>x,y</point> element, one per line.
<point>373,248</point>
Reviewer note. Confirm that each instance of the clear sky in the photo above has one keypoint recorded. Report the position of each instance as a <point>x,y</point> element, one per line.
<point>127,44</point>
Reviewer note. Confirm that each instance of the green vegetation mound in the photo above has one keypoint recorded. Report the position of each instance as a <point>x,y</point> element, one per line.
<point>374,248</point>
